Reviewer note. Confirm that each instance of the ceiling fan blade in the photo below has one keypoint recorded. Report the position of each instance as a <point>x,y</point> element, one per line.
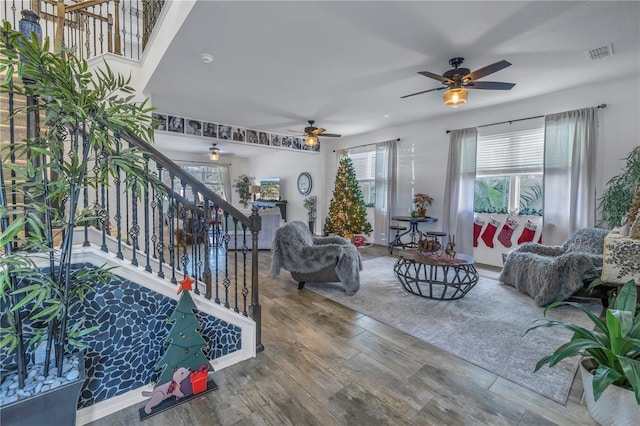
<point>330,135</point>
<point>436,77</point>
<point>424,91</point>
<point>317,131</point>
<point>490,85</point>
<point>489,69</point>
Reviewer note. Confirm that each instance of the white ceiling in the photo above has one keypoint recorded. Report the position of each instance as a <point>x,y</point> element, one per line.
<point>346,64</point>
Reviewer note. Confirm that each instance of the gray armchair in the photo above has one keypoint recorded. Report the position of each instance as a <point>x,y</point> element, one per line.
<point>553,273</point>
<point>315,259</point>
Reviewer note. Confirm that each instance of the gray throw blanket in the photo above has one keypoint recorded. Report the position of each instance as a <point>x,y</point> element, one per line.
<point>553,273</point>
<point>296,249</point>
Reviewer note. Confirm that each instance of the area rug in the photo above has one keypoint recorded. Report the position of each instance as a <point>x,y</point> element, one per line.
<point>486,327</point>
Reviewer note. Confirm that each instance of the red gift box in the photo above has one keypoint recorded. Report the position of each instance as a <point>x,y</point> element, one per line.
<point>199,379</point>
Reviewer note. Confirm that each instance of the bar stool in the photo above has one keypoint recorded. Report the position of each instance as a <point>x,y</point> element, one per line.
<point>396,241</point>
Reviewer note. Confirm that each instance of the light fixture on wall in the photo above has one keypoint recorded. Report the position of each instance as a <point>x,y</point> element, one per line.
<point>455,97</point>
<point>254,189</point>
<point>311,140</point>
<point>214,153</point>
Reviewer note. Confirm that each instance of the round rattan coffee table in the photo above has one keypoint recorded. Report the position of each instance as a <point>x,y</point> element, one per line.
<point>435,276</point>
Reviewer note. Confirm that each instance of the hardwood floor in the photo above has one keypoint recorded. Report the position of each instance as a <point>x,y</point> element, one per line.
<point>325,364</point>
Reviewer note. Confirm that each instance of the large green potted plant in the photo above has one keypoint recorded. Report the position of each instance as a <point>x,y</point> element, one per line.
<point>611,368</point>
<point>40,206</point>
<point>620,190</point>
<point>243,188</point>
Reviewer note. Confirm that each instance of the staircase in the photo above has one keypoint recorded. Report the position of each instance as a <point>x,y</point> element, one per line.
<point>156,238</point>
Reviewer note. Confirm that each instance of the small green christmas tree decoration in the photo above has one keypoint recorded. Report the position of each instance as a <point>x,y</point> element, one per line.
<point>347,212</point>
<point>184,345</point>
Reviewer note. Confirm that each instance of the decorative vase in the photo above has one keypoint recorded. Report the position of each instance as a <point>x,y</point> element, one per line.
<point>415,213</point>
<point>311,226</point>
<point>422,212</point>
<point>616,406</point>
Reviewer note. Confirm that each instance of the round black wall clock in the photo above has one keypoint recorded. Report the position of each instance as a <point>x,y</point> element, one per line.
<point>304,183</point>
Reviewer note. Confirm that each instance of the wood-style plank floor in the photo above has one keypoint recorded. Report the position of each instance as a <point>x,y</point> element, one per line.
<point>325,364</point>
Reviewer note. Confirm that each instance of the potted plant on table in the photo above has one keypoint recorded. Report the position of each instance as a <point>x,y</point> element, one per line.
<point>40,208</point>
<point>611,368</point>
<point>421,201</point>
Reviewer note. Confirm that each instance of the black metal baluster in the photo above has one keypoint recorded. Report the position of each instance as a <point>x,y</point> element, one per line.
<point>134,231</point>
<point>118,215</point>
<point>160,244</point>
<point>208,227</point>
<point>103,215</point>
<point>147,249</point>
<point>184,211</point>
<point>171,213</point>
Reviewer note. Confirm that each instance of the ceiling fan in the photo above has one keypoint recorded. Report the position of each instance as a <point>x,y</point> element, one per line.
<point>458,80</point>
<point>313,132</point>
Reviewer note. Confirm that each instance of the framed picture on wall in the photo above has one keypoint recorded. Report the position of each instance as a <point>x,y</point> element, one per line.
<point>276,140</point>
<point>194,127</point>
<point>160,121</point>
<point>238,134</point>
<point>210,130</point>
<point>224,132</point>
<point>176,124</point>
<point>252,136</point>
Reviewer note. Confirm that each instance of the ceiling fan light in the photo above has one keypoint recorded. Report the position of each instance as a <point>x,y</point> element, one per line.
<point>214,153</point>
<point>311,140</point>
<point>455,97</point>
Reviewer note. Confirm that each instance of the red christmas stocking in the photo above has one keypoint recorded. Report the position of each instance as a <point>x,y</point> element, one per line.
<point>528,232</point>
<point>507,231</point>
<point>477,227</point>
<point>540,239</point>
<point>490,232</point>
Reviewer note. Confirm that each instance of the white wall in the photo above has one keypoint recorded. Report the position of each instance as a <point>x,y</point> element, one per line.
<point>423,147</point>
<point>287,165</point>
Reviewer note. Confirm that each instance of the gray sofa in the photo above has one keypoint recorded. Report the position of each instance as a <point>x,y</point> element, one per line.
<point>553,273</point>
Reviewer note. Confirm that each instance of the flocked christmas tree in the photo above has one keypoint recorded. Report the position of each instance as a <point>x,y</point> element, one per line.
<point>184,345</point>
<point>347,212</point>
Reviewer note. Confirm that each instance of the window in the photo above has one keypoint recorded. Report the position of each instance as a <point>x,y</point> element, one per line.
<point>210,175</point>
<point>364,163</point>
<point>509,170</point>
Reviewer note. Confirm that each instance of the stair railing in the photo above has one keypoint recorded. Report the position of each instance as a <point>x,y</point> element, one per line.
<point>185,229</point>
<point>93,27</point>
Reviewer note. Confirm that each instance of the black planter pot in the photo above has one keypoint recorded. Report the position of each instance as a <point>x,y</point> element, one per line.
<point>311,226</point>
<point>54,407</point>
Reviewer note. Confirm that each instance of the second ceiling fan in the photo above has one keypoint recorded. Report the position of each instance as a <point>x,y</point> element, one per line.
<point>311,134</point>
<point>458,80</point>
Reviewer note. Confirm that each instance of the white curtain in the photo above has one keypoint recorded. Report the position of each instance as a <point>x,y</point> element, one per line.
<point>386,191</point>
<point>459,188</point>
<point>226,182</point>
<point>569,173</point>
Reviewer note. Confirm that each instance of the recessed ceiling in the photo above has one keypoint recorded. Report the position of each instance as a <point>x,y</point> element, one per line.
<point>346,64</point>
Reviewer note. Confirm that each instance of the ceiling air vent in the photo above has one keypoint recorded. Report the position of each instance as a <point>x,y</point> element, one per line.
<point>599,52</point>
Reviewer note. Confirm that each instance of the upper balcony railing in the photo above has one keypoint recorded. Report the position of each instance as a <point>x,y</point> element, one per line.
<point>93,27</point>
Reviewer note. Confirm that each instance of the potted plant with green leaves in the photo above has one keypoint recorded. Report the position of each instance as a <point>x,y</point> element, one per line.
<point>82,112</point>
<point>619,192</point>
<point>611,368</point>
<point>311,204</point>
<point>243,189</point>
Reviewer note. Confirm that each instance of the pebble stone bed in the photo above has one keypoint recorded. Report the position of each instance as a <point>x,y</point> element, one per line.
<point>133,327</point>
<point>37,382</point>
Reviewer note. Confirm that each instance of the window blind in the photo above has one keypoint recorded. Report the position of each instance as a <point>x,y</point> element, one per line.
<point>520,151</point>
<point>364,162</point>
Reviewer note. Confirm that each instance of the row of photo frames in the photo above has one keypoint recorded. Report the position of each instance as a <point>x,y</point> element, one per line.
<point>188,126</point>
